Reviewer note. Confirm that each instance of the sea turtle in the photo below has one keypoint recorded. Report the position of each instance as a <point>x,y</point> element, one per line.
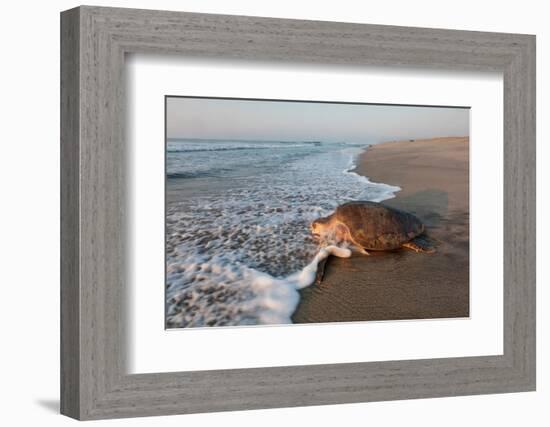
<point>370,226</point>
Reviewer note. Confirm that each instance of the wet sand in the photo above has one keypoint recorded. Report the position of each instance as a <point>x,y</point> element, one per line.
<point>434,177</point>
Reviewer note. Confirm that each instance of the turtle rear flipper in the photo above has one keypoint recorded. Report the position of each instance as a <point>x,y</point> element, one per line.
<point>420,244</point>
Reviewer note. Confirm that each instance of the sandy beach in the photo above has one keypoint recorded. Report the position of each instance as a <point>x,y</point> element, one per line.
<point>433,176</point>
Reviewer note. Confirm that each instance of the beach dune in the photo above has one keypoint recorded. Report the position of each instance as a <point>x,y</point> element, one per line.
<point>433,175</point>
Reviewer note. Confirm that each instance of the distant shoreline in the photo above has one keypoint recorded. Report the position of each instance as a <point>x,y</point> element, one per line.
<point>418,164</point>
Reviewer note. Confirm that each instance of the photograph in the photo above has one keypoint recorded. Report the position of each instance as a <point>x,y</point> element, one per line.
<point>291,212</point>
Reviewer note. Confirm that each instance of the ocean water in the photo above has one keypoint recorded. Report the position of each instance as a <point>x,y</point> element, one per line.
<point>238,242</point>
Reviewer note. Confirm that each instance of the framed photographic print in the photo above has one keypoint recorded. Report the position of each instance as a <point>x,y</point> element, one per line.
<point>253,212</point>
<point>261,213</point>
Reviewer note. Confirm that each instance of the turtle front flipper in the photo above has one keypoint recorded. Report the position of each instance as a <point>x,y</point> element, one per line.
<point>362,250</point>
<point>321,270</point>
<point>418,245</point>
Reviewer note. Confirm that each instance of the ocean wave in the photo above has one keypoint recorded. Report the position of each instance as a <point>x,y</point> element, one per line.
<point>209,173</point>
<point>170,149</point>
<point>237,255</point>
<point>238,295</point>
<point>390,190</point>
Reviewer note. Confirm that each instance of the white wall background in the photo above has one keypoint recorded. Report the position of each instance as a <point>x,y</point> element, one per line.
<point>29,225</point>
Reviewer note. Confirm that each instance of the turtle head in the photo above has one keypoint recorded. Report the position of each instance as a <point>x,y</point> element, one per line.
<point>319,227</point>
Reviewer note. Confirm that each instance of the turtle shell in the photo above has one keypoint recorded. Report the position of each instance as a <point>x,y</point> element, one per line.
<point>378,227</point>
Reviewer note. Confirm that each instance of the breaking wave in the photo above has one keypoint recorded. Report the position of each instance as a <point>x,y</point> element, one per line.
<point>238,243</point>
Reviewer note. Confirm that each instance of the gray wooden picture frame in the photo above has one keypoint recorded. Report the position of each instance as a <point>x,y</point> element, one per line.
<point>94,41</point>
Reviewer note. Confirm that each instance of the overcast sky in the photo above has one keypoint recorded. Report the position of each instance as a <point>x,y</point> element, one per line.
<point>291,121</point>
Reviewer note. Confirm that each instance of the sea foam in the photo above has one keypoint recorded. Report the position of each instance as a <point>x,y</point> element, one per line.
<point>240,247</point>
